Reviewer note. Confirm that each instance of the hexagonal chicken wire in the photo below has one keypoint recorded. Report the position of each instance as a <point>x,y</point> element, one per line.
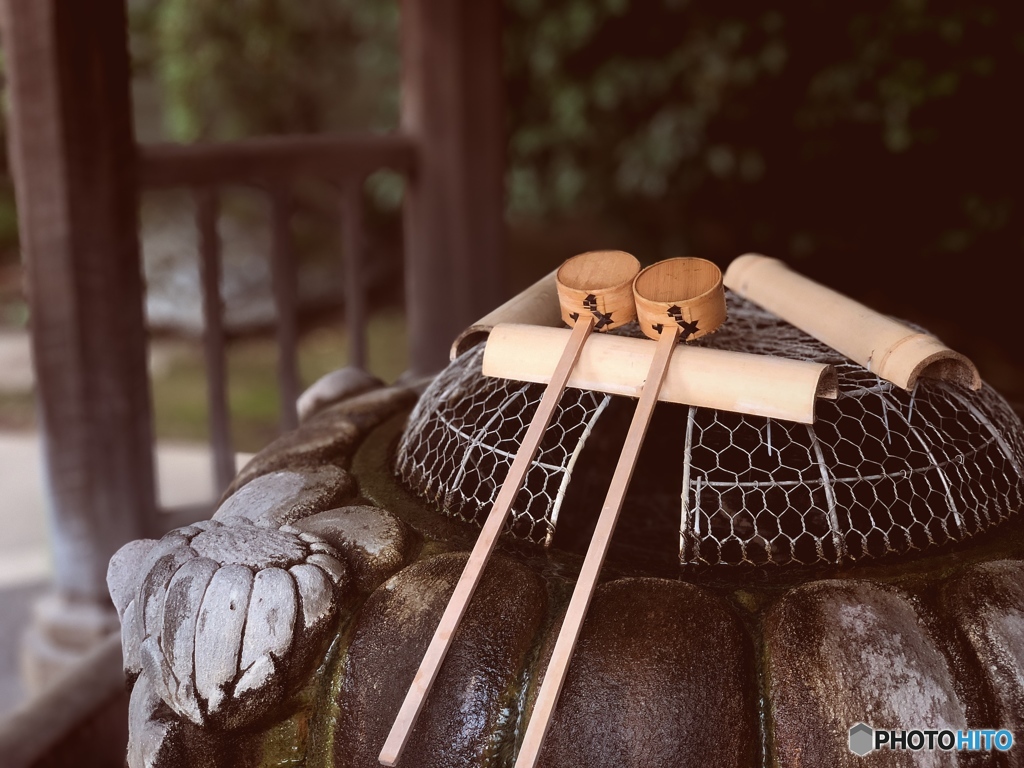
<point>881,472</point>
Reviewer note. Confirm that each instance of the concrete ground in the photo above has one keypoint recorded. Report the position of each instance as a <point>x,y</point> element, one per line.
<point>183,475</point>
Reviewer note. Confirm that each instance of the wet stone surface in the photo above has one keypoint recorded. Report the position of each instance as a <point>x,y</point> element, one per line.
<point>374,542</point>
<point>249,546</point>
<point>987,604</point>
<point>661,677</point>
<point>471,711</point>
<point>842,652</point>
<point>284,497</point>
<point>327,438</point>
<point>308,447</point>
<point>228,628</point>
<point>364,412</point>
<point>335,387</point>
<point>158,739</point>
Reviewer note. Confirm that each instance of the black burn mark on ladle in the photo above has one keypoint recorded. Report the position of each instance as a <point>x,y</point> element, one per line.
<point>590,303</point>
<point>688,329</point>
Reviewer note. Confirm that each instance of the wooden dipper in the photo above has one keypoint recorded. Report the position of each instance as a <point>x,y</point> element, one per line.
<point>687,292</point>
<point>595,291</point>
<point>678,297</point>
<point>598,283</point>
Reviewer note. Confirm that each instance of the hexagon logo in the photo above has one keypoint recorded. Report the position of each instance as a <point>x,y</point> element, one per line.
<point>862,739</point>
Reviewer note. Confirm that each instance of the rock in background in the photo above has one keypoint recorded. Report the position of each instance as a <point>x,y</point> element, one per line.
<point>170,251</point>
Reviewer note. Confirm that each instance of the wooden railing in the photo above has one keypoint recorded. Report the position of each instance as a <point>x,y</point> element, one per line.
<point>272,164</point>
<point>78,169</point>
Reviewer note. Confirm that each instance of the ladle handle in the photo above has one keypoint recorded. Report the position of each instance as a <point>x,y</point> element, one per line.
<point>442,639</point>
<point>554,677</point>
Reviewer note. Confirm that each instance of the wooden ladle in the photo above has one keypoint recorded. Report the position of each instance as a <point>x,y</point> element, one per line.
<point>595,293</point>
<point>674,298</point>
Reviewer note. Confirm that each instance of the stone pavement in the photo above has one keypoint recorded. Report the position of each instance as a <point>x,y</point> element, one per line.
<point>184,477</point>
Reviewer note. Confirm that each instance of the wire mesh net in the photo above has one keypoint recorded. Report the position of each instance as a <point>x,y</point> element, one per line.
<point>881,472</point>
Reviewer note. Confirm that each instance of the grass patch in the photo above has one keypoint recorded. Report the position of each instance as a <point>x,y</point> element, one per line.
<point>179,380</point>
<point>17,411</point>
<point>179,391</point>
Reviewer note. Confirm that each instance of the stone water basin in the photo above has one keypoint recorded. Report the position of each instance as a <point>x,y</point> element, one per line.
<point>304,659</point>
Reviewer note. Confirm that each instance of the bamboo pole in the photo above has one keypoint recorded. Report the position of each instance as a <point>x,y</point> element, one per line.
<point>760,385</point>
<point>552,300</point>
<point>887,348</point>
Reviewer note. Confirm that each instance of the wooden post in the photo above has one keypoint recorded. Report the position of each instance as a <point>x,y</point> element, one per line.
<point>214,339</point>
<point>452,106</point>
<point>73,156</point>
<point>354,251</point>
<point>285,280</point>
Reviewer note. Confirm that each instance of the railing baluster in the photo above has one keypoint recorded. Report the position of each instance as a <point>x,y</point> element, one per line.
<point>270,163</point>
<point>354,244</point>
<point>284,274</point>
<point>214,347</point>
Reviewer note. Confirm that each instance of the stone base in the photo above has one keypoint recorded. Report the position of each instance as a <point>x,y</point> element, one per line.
<point>61,633</point>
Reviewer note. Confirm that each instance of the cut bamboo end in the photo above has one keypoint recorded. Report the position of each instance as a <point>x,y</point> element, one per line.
<point>925,357</point>
<point>889,349</point>
<point>598,283</point>
<point>686,292</point>
<point>536,305</point>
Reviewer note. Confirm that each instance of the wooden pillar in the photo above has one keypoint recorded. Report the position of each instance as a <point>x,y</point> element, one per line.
<point>73,156</point>
<point>452,105</point>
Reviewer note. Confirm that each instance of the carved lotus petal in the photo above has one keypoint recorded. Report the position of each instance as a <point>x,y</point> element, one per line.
<point>225,619</point>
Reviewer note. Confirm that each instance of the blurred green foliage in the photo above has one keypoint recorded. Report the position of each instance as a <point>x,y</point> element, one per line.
<point>749,119</point>
<point>235,68</point>
<point>879,139</point>
<point>803,127</point>
<point>875,145</point>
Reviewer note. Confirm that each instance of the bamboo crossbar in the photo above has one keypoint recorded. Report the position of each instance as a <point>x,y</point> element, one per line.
<point>734,381</point>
